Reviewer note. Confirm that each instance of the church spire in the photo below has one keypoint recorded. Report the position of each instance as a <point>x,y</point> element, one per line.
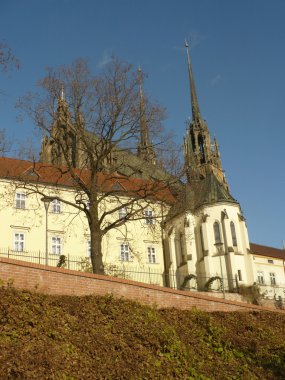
<point>196,115</point>
<point>145,149</point>
<point>62,117</point>
<point>201,157</point>
<point>143,127</point>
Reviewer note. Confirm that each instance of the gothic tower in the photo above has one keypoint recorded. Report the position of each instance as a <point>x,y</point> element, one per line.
<point>145,148</point>
<point>201,156</point>
<point>61,145</point>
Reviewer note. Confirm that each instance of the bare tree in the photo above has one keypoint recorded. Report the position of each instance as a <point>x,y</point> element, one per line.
<point>92,126</point>
<point>7,62</point>
<point>7,58</point>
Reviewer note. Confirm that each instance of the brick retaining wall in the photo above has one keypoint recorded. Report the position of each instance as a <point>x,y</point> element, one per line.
<point>50,280</point>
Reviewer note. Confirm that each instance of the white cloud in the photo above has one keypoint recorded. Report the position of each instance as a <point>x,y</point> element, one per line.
<point>216,79</point>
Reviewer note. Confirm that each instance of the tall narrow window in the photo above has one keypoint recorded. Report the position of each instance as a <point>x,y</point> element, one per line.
<point>89,248</point>
<point>56,245</point>
<point>151,255</point>
<point>149,216</point>
<point>217,233</point>
<point>234,236</point>
<point>202,239</point>
<point>122,213</point>
<point>239,275</point>
<point>20,200</point>
<point>181,246</point>
<point>19,242</point>
<point>260,277</point>
<point>56,206</point>
<point>125,255</point>
<point>272,278</point>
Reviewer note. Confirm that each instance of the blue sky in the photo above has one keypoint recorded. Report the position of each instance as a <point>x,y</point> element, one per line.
<point>238,59</point>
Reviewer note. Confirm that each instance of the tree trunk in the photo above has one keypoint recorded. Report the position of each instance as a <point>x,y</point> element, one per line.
<point>96,250</point>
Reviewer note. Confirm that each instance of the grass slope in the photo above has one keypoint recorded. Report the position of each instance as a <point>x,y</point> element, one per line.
<point>49,337</point>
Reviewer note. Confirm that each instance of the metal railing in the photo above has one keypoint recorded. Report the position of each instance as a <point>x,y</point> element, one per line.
<point>38,257</point>
<point>146,273</point>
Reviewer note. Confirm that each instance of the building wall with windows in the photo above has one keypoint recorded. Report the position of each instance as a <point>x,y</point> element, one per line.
<point>23,221</point>
<point>137,244</point>
<point>226,244</point>
<point>269,271</point>
<point>211,243</point>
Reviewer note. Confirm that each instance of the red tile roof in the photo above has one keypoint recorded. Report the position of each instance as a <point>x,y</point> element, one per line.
<point>46,174</point>
<point>263,250</point>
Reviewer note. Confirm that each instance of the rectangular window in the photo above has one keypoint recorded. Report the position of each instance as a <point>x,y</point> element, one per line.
<point>272,278</point>
<point>270,261</point>
<point>56,245</point>
<point>151,255</point>
<point>21,200</point>
<point>239,275</point>
<point>122,213</point>
<point>260,277</point>
<point>19,242</point>
<point>125,254</point>
<point>89,248</point>
<point>56,206</point>
<point>149,216</point>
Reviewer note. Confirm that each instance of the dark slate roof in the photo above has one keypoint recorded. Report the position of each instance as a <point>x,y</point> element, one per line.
<point>206,191</point>
<point>129,164</point>
<point>263,250</point>
<point>184,201</point>
<point>209,191</point>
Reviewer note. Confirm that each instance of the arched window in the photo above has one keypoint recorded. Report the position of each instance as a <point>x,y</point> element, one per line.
<point>233,232</point>
<point>217,233</point>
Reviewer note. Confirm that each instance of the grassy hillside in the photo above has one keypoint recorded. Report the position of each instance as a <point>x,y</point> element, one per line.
<point>48,337</point>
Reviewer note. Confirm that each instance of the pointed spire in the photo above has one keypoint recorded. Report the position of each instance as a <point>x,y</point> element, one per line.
<point>216,147</point>
<point>143,127</point>
<point>62,116</point>
<point>145,149</point>
<point>200,155</point>
<point>62,96</point>
<point>62,106</point>
<point>194,100</point>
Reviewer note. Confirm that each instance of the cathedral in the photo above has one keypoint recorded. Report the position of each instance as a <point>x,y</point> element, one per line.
<point>198,239</point>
